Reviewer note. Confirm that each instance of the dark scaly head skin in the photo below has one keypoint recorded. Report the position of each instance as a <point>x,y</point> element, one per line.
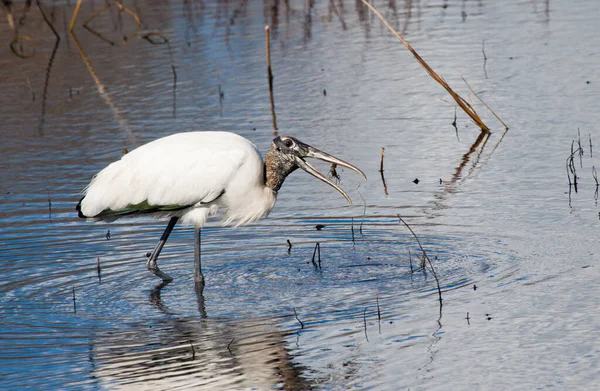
<point>286,154</point>
<point>280,162</point>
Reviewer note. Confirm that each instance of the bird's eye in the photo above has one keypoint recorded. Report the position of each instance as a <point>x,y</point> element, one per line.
<point>288,143</point>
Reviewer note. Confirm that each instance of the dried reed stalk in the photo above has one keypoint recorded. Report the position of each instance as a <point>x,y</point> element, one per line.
<point>467,108</point>
<point>75,13</point>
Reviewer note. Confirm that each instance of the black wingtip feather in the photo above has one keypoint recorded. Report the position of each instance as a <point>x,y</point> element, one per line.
<point>78,209</point>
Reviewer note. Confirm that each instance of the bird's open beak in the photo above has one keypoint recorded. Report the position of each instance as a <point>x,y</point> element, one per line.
<point>312,152</point>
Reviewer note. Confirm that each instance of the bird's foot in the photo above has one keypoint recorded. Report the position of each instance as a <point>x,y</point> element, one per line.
<point>153,268</point>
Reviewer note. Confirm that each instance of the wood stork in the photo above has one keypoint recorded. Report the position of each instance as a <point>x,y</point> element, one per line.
<point>189,176</point>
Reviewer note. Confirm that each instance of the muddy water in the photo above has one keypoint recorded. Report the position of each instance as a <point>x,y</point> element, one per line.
<point>515,251</point>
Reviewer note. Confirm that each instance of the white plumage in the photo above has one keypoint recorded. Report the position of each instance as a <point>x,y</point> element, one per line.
<point>201,171</point>
<point>190,176</point>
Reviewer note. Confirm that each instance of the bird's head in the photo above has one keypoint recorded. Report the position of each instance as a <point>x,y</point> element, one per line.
<point>286,154</point>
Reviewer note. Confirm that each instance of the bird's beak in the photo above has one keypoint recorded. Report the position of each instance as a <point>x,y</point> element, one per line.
<point>308,151</point>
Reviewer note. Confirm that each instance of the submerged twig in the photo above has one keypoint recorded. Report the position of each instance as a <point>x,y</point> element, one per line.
<point>580,148</point>
<point>365,323</point>
<point>47,20</point>
<point>378,314</point>
<point>99,270</point>
<point>18,39</point>
<point>484,58</point>
<point>121,8</point>
<point>454,124</point>
<point>193,350</point>
<point>74,302</point>
<point>467,108</point>
<point>571,170</point>
<point>298,319</point>
<point>49,204</point>
<point>595,175</point>
<point>425,258</point>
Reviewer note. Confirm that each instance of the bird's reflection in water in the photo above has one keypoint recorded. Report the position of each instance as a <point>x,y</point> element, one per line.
<point>156,300</point>
<point>201,352</point>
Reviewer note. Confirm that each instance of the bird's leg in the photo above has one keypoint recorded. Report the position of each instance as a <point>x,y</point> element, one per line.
<point>151,264</point>
<point>198,276</point>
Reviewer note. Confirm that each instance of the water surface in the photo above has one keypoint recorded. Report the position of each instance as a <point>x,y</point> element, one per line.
<point>514,246</point>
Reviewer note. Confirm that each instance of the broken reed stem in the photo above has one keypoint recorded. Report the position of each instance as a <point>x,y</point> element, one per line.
<point>595,175</point>
<point>193,350</point>
<point>270,76</point>
<point>298,319</point>
<point>365,323</point>
<point>385,189</point>
<point>589,135</point>
<point>317,252</point>
<point>484,58</point>
<point>467,108</point>
<point>580,148</point>
<point>425,258</point>
<point>229,345</point>
<point>49,203</point>
<point>99,270</point>
<point>74,302</point>
<point>485,104</point>
<point>378,310</point>
<point>570,165</point>
<point>75,13</point>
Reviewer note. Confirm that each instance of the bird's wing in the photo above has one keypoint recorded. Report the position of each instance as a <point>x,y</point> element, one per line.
<point>168,174</point>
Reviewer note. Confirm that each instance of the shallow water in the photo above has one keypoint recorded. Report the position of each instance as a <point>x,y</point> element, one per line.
<point>515,251</point>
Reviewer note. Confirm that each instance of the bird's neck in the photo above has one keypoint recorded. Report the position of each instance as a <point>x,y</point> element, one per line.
<point>276,170</point>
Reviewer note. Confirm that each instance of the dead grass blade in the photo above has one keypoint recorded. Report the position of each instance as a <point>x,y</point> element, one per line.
<point>485,104</point>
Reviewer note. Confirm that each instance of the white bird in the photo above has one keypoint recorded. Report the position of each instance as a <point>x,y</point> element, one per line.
<point>190,176</point>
